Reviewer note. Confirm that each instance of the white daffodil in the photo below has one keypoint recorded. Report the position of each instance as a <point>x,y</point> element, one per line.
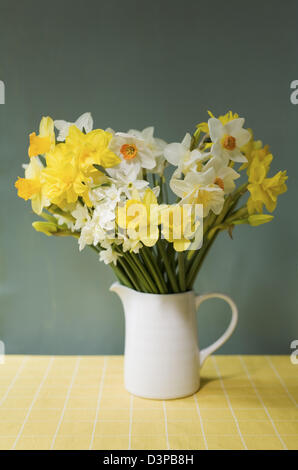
<point>81,215</point>
<point>224,175</point>
<point>153,143</point>
<point>65,221</point>
<point>109,256</point>
<point>134,153</point>
<point>200,188</point>
<point>225,179</point>
<point>100,227</point>
<point>131,245</point>
<point>83,122</point>
<point>228,139</point>
<point>87,235</point>
<point>180,155</point>
<point>126,177</point>
<point>156,146</point>
<point>108,192</point>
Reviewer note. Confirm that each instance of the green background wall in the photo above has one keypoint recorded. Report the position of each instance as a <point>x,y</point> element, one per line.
<point>133,64</point>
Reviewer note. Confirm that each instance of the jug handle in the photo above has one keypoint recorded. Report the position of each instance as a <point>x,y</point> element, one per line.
<point>226,335</point>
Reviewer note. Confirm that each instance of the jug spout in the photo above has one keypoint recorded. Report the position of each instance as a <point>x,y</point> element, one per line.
<point>121,290</point>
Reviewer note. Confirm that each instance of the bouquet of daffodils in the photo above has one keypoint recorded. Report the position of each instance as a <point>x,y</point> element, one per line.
<point>151,210</point>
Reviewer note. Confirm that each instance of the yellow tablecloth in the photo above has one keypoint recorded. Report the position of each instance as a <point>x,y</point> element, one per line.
<point>67,402</point>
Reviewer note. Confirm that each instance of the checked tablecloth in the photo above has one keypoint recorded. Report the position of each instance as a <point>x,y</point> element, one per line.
<point>68,402</point>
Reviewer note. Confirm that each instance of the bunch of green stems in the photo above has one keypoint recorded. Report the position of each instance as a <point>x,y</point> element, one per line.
<point>162,270</point>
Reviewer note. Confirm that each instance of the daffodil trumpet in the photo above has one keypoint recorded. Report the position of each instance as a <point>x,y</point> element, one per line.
<point>109,190</point>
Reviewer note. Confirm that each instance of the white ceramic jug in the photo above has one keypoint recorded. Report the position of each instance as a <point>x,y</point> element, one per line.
<point>162,357</point>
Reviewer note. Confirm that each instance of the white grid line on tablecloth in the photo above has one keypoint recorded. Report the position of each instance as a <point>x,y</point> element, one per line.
<point>166,424</point>
<point>130,421</point>
<point>66,400</point>
<point>261,401</point>
<point>99,400</point>
<point>33,401</point>
<point>208,420</point>
<point>281,381</point>
<point>229,401</point>
<point>82,395</point>
<point>95,387</point>
<point>20,368</point>
<point>172,408</point>
<point>85,387</point>
<point>39,436</point>
<point>150,420</point>
<point>201,421</point>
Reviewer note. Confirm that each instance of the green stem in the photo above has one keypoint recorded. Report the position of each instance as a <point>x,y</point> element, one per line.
<point>181,271</point>
<point>125,265</point>
<point>121,276</point>
<point>154,269</point>
<point>167,264</point>
<point>229,206</point>
<point>160,197</point>
<point>146,280</point>
<point>165,191</point>
<point>117,270</point>
<point>199,261</point>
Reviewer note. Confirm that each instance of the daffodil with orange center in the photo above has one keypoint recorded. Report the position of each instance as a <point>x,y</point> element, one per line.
<point>228,139</point>
<point>200,188</point>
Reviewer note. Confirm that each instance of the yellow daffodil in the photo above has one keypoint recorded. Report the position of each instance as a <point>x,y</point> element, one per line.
<point>31,187</point>
<point>139,216</point>
<point>177,226</point>
<point>259,166</point>
<point>45,141</point>
<point>63,181</point>
<point>254,150</point>
<point>90,149</point>
<point>265,192</point>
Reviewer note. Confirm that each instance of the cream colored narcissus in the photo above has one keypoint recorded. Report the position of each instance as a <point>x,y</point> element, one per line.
<point>109,256</point>
<point>224,175</point>
<point>180,155</point>
<point>200,188</point>
<point>156,145</point>
<point>134,152</point>
<point>227,139</point>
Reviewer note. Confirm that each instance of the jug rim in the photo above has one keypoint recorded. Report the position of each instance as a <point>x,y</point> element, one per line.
<point>118,284</point>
